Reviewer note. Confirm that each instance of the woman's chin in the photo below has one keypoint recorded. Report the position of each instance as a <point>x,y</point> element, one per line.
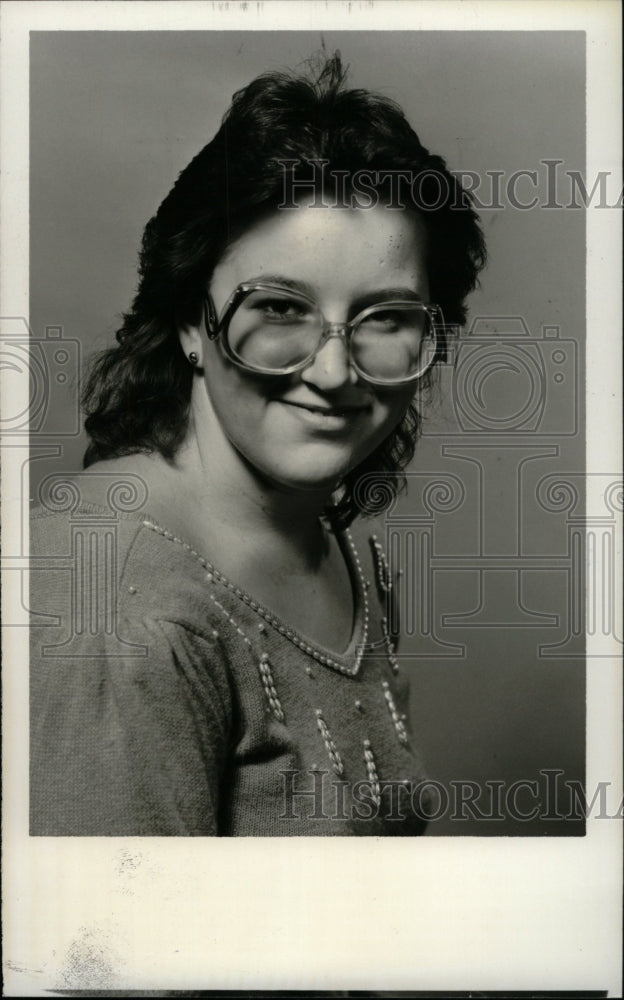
<point>314,483</point>
<point>310,484</point>
<point>309,474</point>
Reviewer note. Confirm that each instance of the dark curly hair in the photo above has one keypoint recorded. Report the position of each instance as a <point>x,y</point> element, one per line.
<point>137,394</point>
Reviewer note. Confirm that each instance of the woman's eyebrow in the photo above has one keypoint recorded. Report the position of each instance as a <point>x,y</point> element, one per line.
<point>368,298</point>
<point>400,293</point>
<point>295,284</point>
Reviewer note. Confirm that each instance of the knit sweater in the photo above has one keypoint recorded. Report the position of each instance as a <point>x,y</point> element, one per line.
<point>165,701</point>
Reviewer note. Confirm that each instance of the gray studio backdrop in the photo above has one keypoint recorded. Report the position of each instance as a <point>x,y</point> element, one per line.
<point>486,534</point>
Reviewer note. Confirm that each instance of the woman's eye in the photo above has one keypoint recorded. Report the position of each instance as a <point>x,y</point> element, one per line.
<point>385,318</point>
<point>282,308</point>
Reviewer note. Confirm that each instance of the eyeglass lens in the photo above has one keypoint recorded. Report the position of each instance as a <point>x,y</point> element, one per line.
<point>276,331</point>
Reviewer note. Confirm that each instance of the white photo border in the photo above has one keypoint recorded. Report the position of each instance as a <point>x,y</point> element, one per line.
<point>442,914</point>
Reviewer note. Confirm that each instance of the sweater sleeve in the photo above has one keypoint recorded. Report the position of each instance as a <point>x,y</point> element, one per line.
<point>129,745</point>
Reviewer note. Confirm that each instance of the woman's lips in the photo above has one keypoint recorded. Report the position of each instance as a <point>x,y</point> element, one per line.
<point>320,408</point>
<point>329,417</point>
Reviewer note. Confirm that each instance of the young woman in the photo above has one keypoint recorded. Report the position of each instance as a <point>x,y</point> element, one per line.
<point>294,290</point>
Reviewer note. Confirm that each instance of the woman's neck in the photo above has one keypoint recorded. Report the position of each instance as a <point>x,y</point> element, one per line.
<point>227,509</point>
<point>263,539</point>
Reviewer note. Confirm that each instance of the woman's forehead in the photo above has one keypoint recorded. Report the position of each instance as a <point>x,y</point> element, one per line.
<point>329,246</point>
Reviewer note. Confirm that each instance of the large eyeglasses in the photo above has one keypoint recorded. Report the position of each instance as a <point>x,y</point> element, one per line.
<point>272,330</point>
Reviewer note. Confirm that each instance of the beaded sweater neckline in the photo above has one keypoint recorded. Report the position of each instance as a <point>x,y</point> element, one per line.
<point>346,663</point>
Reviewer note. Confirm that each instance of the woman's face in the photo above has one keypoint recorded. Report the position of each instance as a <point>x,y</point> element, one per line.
<point>307,430</point>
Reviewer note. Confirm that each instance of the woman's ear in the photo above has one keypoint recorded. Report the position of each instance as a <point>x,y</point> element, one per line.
<point>192,343</point>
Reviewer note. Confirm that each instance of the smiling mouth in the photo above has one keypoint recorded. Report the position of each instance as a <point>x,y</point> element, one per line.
<point>326,411</point>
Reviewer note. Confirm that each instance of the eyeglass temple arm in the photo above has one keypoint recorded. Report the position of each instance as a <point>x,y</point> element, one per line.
<point>211,320</point>
<point>213,324</point>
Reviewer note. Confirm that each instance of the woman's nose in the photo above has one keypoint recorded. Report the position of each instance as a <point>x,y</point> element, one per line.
<point>330,368</point>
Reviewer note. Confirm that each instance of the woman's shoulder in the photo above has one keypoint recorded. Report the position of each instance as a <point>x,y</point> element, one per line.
<point>116,486</point>
<point>74,514</point>
<point>92,535</point>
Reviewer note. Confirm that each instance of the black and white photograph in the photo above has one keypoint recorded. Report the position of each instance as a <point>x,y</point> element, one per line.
<point>311,354</point>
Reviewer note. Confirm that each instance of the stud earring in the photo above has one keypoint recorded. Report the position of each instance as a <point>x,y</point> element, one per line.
<point>193,358</point>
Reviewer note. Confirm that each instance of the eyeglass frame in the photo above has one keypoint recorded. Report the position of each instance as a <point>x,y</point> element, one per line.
<point>216,326</point>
